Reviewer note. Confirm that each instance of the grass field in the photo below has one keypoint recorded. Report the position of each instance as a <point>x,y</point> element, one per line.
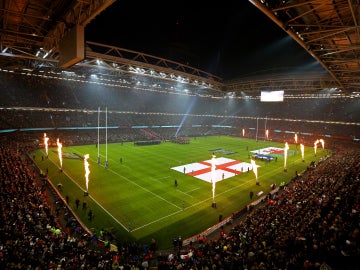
<point>136,199</point>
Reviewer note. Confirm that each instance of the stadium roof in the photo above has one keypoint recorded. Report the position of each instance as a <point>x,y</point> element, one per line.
<point>31,32</point>
<point>329,30</point>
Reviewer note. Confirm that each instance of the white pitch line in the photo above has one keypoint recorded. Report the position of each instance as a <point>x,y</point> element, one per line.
<point>184,193</point>
<point>147,190</point>
<point>192,190</point>
<point>92,198</point>
<point>157,220</point>
<point>159,179</point>
<point>198,203</point>
<point>101,156</point>
<point>132,182</point>
<point>154,179</point>
<point>193,205</point>
<point>187,192</point>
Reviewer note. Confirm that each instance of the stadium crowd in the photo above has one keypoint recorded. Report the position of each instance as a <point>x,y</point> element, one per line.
<point>310,223</point>
<point>42,92</point>
<point>313,223</point>
<point>30,101</point>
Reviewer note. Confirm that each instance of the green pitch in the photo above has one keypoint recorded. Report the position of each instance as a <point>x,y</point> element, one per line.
<point>136,199</point>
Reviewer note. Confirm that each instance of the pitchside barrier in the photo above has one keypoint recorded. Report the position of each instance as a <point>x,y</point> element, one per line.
<point>226,220</point>
<point>207,232</point>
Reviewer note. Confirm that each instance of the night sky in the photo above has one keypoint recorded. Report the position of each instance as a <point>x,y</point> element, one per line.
<point>230,39</point>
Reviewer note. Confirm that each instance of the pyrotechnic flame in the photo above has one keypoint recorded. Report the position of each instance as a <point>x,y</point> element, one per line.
<point>315,145</point>
<point>213,180</point>
<point>87,171</point>
<point>285,153</point>
<point>267,134</point>
<point>46,140</point>
<point>302,148</point>
<point>254,168</point>
<point>296,139</point>
<point>243,131</point>
<point>59,151</point>
<point>322,143</point>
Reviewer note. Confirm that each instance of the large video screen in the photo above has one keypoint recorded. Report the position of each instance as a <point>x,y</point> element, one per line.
<point>272,96</point>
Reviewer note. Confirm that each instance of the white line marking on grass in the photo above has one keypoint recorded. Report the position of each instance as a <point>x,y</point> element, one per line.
<point>198,203</point>
<point>159,179</point>
<point>186,193</point>
<point>91,196</point>
<point>180,211</point>
<point>192,190</point>
<point>101,156</point>
<point>147,190</point>
<point>134,183</point>
<point>157,220</point>
<point>193,205</point>
<point>154,179</point>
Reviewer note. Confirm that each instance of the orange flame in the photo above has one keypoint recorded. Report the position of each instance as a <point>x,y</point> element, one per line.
<point>46,140</point>
<point>254,168</point>
<point>285,153</point>
<point>315,145</point>
<point>213,175</point>
<point>59,151</point>
<point>302,148</point>
<point>87,171</point>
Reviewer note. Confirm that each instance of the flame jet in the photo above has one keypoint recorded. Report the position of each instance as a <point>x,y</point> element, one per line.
<point>285,154</point>
<point>46,140</point>
<point>59,152</point>
<point>315,146</point>
<point>254,168</point>
<point>302,148</point>
<point>213,174</point>
<point>87,171</point>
